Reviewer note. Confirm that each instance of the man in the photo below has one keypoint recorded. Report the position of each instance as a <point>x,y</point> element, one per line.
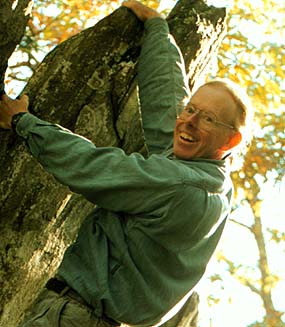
<point>158,219</point>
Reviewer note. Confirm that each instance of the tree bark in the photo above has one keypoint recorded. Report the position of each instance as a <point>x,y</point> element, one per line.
<point>86,84</point>
<point>187,315</point>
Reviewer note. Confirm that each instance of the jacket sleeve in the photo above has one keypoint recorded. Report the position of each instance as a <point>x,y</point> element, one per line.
<point>162,84</point>
<point>105,176</point>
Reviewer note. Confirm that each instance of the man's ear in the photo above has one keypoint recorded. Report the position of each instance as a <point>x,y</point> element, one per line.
<point>233,141</point>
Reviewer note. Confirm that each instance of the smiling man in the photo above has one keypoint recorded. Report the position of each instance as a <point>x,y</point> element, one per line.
<point>209,125</point>
<point>158,220</point>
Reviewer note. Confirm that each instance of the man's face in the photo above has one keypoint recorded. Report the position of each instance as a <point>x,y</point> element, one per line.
<point>193,138</point>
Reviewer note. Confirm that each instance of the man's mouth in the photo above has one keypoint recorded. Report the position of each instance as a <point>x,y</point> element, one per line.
<point>187,138</point>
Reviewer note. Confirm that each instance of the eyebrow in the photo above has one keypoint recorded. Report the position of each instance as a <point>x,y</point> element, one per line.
<point>197,107</point>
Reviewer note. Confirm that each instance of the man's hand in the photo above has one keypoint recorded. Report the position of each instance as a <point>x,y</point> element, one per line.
<point>10,107</point>
<point>141,11</point>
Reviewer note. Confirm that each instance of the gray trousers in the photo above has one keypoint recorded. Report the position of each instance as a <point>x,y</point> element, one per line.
<point>55,310</point>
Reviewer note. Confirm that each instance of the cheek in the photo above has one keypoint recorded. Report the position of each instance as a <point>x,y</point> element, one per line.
<point>213,140</point>
<point>177,123</point>
<point>218,140</point>
<point>176,127</point>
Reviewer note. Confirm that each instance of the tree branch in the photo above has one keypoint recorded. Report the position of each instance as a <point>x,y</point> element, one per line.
<point>241,224</point>
<point>247,283</point>
<point>12,28</point>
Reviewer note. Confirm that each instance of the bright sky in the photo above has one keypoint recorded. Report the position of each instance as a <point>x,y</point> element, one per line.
<point>238,306</point>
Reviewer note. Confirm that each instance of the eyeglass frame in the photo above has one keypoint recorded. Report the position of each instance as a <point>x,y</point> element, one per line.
<point>198,111</point>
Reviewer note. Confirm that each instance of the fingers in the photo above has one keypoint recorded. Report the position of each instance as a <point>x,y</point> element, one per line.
<point>141,11</point>
<point>5,117</point>
<point>15,106</point>
<point>128,4</point>
<point>24,99</point>
<point>21,103</point>
<point>5,102</point>
<point>4,98</point>
<point>10,107</point>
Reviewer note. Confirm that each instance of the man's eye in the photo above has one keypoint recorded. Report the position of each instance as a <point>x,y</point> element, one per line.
<point>190,110</point>
<point>208,118</point>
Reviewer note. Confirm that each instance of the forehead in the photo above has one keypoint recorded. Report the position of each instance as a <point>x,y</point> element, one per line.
<point>215,99</point>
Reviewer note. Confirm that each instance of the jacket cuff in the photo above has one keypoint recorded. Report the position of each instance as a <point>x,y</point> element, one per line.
<point>15,119</point>
<point>149,23</point>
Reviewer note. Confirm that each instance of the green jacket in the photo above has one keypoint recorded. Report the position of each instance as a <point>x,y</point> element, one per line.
<point>158,219</point>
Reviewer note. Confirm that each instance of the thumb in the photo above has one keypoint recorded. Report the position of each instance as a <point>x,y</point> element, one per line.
<point>24,100</point>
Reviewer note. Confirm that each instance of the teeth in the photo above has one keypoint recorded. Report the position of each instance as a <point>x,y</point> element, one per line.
<point>187,137</point>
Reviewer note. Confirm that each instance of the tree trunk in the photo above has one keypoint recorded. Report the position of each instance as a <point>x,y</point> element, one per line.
<point>188,314</point>
<point>86,84</point>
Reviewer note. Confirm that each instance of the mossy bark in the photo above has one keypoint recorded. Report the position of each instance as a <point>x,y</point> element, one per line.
<point>86,84</point>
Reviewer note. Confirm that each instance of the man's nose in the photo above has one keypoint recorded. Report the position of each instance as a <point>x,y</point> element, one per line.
<point>193,119</point>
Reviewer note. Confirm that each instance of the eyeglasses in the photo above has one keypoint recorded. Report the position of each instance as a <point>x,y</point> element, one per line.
<point>206,119</point>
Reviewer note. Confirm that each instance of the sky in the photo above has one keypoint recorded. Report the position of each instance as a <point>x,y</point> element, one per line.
<point>238,306</point>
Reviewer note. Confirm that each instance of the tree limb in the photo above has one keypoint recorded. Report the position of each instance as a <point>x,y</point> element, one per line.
<point>13,22</point>
<point>241,224</point>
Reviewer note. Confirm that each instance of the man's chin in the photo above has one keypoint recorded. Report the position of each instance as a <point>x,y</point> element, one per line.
<point>182,155</point>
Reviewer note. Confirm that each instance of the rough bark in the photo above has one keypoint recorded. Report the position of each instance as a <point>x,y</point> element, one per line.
<point>88,85</point>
